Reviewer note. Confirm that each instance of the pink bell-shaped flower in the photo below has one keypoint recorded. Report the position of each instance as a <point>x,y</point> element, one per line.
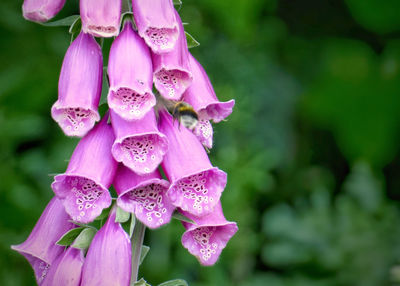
<point>204,132</point>
<point>83,188</point>
<point>79,87</point>
<point>196,185</point>
<point>41,10</point>
<point>101,18</point>
<point>40,248</point>
<point>172,74</point>
<point>131,76</point>
<point>108,261</point>
<point>156,23</point>
<point>208,236</point>
<point>138,144</point>
<point>145,196</point>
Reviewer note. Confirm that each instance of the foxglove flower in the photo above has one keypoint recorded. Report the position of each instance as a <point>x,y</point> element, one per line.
<point>41,10</point>
<point>202,97</point>
<point>196,185</point>
<point>145,196</point>
<point>40,248</point>
<point>83,188</point>
<point>79,87</point>
<point>131,76</point>
<point>172,74</point>
<point>101,18</point>
<point>108,261</point>
<point>204,133</point>
<point>156,23</point>
<point>208,236</point>
<point>66,270</point>
<point>138,144</point>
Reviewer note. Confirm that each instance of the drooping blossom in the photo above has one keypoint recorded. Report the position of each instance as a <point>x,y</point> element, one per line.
<point>79,87</point>
<point>201,96</point>
<point>208,236</point>
<point>83,188</point>
<point>204,133</point>
<point>145,196</point>
<point>156,23</point>
<point>196,185</point>
<point>101,18</point>
<point>172,74</point>
<point>138,144</point>
<point>41,10</point>
<point>131,76</point>
<point>40,248</point>
<point>66,270</point>
<point>108,261</point>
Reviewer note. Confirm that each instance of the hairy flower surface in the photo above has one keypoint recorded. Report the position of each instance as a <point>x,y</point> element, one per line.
<point>66,270</point>
<point>201,96</point>
<point>131,76</point>
<point>138,144</point>
<point>145,196</point>
<point>41,10</point>
<point>172,74</point>
<point>156,23</point>
<point>208,236</point>
<point>101,18</point>
<point>196,185</point>
<point>108,261</point>
<point>83,188</point>
<point>204,133</point>
<point>40,248</point>
<point>79,87</point>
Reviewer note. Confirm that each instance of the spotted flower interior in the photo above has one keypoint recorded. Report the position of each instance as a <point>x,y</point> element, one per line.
<point>75,121</point>
<point>172,83</point>
<point>102,31</point>
<point>204,132</point>
<point>129,104</point>
<point>161,39</point>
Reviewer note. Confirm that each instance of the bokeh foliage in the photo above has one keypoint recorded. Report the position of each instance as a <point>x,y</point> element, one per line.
<point>311,149</point>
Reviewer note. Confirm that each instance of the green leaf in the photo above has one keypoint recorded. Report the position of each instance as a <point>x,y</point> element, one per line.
<point>143,253</point>
<point>84,239</point>
<point>121,216</point>
<point>191,42</point>
<point>177,215</point>
<point>141,282</point>
<point>68,238</point>
<point>68,21</point>
<point>132,226</point>
<point>176,282</point>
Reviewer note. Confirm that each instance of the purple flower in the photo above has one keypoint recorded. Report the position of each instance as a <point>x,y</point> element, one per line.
<point>83,187</point>
<point>66,270</point>
<point>138,144</point>
<point>101,18</point>
<point>145,196</point>
<point>172,74</point>
<point>156,23</point>
<point>208,237</point>
<point>196,185</point>
<point>40,248</point>
<point>41,10</point>
<point>204,133</point>
<point>202,97</point>
<point>108,261</point>
<point>79,87</point>
<point>131,76</point>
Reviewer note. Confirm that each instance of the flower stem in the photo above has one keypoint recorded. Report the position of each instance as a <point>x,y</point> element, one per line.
<point>137,242</point>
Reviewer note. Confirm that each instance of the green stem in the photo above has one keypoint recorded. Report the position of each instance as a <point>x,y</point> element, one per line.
<point>137,242</point>
<point>126,6</point>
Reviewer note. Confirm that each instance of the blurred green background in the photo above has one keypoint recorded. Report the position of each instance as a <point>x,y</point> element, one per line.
<point>311,149</point>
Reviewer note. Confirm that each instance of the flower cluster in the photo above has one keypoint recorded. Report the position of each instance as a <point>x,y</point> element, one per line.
<point>135,140</point>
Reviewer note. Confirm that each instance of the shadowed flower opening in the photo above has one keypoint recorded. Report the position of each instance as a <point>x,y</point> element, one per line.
<point>161,39</point>
<point>103,30</point>
<point>75,121</point>
<point>130,104</point>
<point>83,198</point>
<point>172,83</point>
<point>204,132</point>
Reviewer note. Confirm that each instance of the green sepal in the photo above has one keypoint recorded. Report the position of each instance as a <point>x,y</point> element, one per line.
<point>104,213</point>
<point>105,86</point>
<point>75,28</point>
<point>67,21</point>
<point>143,253</point>
<point>176,282</point>
<point>141,282</point>
<point>177,215</point>
<point>84,238</point>
<point>132,225</point>
<point>121,215</point>
<point>191,42</point>
<point>127,16</point>
<point>177,2</point>
<point>68,238</point>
